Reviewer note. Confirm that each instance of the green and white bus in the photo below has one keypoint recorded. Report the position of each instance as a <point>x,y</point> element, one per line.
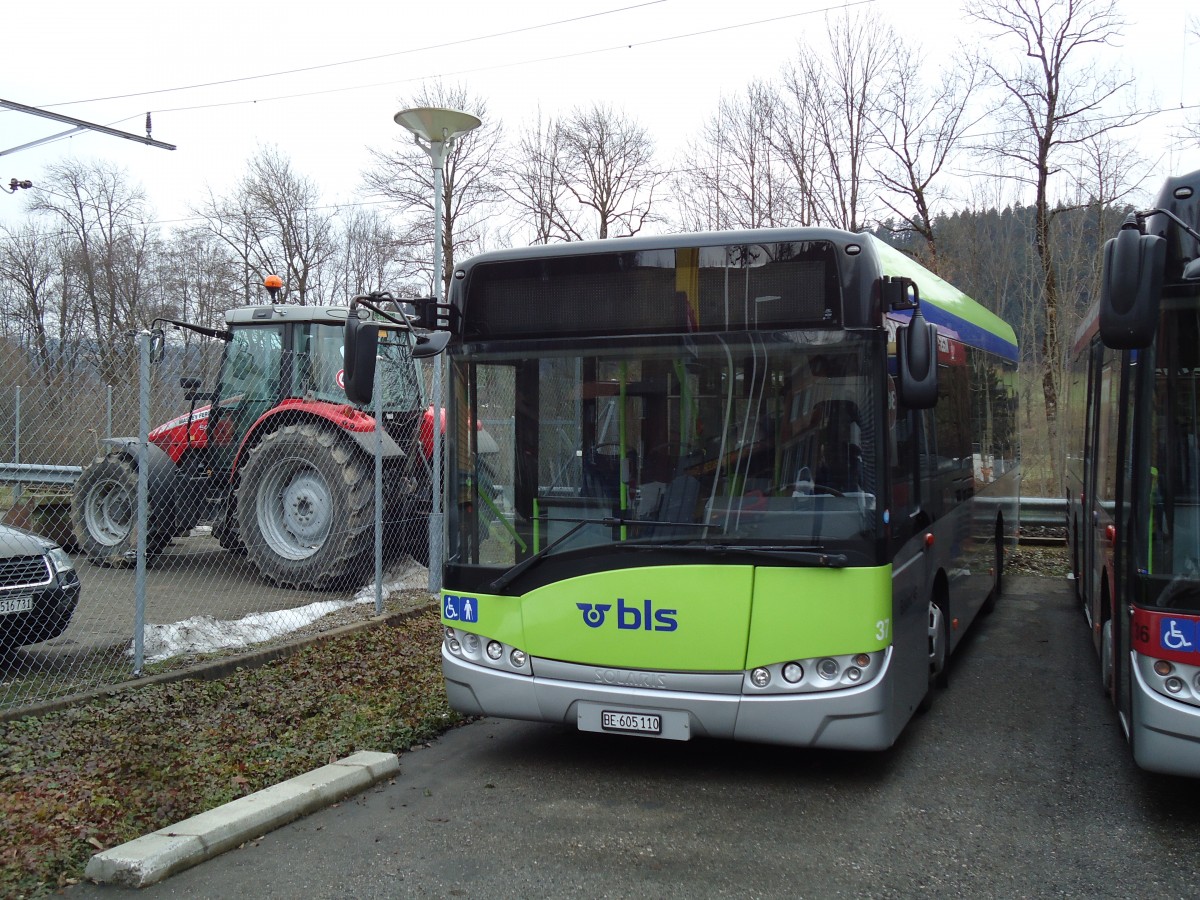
<point>693,490</point>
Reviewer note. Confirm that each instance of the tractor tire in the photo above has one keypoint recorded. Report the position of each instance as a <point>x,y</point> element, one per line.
<point>305,507</point>
<point>104,513</point>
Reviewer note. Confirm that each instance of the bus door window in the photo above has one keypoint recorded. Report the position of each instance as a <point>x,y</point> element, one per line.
<point>1175,452</point>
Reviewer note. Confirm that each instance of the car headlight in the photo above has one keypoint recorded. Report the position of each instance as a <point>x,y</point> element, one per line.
<point>59,560</point>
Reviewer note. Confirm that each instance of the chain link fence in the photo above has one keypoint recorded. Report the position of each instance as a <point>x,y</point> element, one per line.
<point>210,500</point>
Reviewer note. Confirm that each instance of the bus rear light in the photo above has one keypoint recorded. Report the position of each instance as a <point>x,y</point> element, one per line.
<point>1163,668</point>
<point>1110,532</point>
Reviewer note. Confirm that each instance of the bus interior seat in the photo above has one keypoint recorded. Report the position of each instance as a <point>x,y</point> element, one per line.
<point>678,505</point>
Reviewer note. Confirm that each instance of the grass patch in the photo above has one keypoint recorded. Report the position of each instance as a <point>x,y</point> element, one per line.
<point>112,769</point>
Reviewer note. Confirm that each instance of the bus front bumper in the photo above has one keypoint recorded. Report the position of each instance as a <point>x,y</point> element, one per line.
<point>1165,733</point>
<point>857,718</point>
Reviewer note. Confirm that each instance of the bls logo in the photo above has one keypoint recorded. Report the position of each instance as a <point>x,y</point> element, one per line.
<point>593,615</point>
<point>631,617</point>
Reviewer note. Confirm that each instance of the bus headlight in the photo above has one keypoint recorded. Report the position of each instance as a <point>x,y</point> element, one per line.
<point>828,669</point>
<point>817,673</point>
<point>486,651</point>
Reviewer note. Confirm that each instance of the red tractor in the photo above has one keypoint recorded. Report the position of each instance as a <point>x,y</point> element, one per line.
<point>275,458</point>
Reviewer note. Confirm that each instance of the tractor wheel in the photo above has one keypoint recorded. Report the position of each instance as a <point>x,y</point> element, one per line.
<point>305,508</point>
<point>104,513</point>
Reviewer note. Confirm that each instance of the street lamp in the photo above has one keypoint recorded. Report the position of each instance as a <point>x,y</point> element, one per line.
<point>435,131</point>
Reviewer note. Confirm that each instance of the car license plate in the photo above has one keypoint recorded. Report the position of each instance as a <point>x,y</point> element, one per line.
<point>636,723</point>
<point>10,605</point>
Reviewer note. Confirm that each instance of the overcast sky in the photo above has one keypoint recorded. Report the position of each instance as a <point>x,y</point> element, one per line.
<point>345,67</point>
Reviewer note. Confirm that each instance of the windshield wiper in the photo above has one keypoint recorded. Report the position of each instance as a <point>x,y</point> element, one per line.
<point>806,556</point>
<point>607,522</point>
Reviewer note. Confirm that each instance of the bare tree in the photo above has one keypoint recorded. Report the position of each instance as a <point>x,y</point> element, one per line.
<point>1053,101</point>
<point>470,188</point>
<point>606,163</point>
<point>920,127</point>
<point>364,258</point>
<point>732,175</point>
<point>533,181</point>
<point>832,103</point>
<point>35,301</point>
<point>1191,130</point>
<point>110,250</point>
<point>200,276</point>
<point>273,221</point>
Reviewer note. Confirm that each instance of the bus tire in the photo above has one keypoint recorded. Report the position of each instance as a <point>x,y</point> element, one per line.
<point>989,605</point>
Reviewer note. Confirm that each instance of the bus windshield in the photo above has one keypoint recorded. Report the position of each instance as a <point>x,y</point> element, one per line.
<point>701,441</point>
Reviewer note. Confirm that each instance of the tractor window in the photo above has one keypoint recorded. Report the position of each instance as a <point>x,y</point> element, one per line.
<point>252,362</point>
<point>318,364</point>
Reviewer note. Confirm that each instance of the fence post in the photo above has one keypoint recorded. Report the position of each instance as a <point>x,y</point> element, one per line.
<point>378,495</point>
<point>17,442</point>
<point>139,590</point>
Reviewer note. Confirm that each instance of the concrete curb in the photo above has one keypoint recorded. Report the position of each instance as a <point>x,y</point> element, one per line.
<point>156,856</point>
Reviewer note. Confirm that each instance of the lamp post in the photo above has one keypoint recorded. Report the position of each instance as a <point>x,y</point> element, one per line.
<point>435,131</point>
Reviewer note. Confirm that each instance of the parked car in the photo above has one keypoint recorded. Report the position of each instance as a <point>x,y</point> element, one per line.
<point>39,588</point>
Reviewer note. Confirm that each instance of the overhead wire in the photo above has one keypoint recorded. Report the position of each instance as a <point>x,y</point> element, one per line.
<point>349,62</point>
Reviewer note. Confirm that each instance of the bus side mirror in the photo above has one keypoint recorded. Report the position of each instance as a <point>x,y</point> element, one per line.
<point>428,345</point>
<point>916,362</point>
<point>360,344</point>
<point>1130,288</point>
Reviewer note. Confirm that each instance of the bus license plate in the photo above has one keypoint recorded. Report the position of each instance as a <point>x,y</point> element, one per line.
<point>635,723</point>
<point>9,605</point>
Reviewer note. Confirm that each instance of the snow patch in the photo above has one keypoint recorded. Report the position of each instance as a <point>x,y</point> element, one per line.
<point>207,634</point>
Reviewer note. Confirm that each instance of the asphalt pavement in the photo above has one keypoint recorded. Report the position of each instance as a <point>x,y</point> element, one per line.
<point>1017,783</point>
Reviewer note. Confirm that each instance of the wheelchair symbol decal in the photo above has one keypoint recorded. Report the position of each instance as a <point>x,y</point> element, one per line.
<point>460,609</point>
<point>1178,635</point>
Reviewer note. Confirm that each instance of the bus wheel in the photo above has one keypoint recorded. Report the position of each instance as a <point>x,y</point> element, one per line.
<point>937,655</point>
<point>1106,656</point>
<point>989,605</point>
<point>937,644</point>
